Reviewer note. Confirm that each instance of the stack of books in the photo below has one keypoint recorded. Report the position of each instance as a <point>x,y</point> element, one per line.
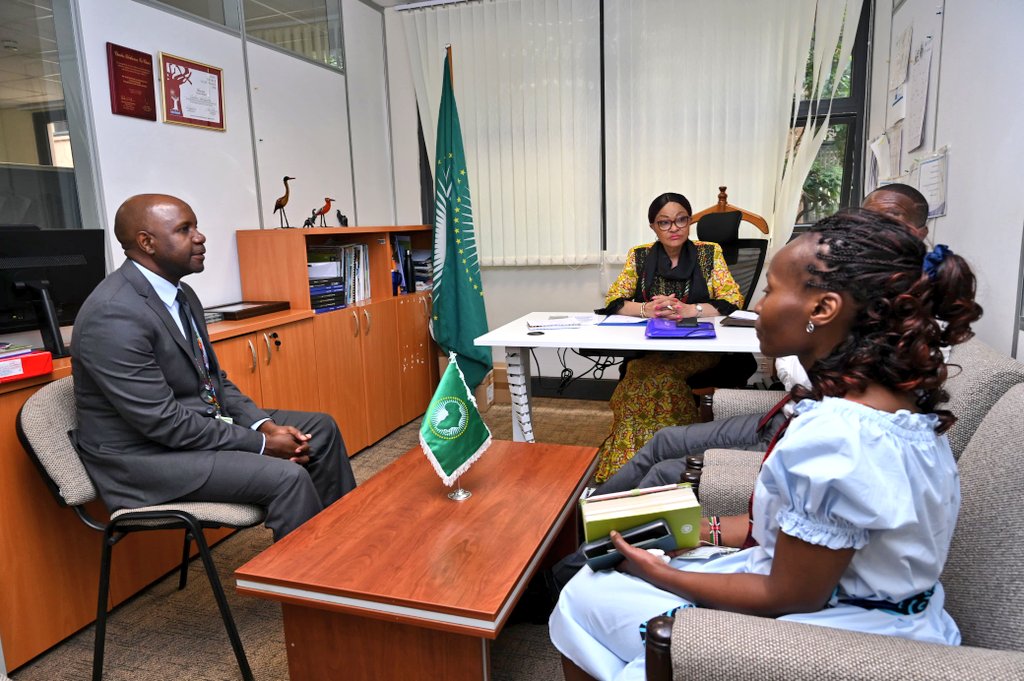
<point>676,504</point>
<point>344,265</point>
<point>325,267</point>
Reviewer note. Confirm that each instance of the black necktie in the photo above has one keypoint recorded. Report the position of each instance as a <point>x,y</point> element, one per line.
<point>185,314</point>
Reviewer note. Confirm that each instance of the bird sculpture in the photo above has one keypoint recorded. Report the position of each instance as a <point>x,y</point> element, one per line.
<point>282,202</point>
<point>323,211</point>
<point>319,213</point>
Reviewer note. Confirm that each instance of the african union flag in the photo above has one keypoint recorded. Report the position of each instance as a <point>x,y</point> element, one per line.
<point>453,435</point>
<point>458,303</point>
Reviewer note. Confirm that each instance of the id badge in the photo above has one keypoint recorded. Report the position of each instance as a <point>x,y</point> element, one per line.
<point>225,419</point>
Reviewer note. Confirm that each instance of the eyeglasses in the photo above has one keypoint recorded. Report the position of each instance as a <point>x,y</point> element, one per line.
<point>682,222</point>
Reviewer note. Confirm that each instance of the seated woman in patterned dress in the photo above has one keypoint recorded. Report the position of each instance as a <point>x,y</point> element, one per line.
<point>854,508</point>
<point>671,278</point>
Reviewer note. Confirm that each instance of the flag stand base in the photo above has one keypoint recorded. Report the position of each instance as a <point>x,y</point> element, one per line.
<point>460,494</point>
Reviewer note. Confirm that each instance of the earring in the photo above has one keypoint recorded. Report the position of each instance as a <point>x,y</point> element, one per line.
<point>810,327</point>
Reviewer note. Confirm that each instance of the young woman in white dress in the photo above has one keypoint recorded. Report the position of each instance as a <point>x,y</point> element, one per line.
<point>854,508</point>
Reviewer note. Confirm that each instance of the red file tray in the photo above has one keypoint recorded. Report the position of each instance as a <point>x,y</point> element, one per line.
<point>25,366</point>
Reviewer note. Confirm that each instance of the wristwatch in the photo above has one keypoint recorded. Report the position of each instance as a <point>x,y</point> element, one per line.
<point>700,309</point>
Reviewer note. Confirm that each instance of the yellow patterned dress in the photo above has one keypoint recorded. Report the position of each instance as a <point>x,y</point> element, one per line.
<point>654,392</point>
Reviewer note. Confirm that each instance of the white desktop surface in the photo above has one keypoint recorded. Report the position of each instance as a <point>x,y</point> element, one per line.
<point>516,338</point>
<point>515,334</point>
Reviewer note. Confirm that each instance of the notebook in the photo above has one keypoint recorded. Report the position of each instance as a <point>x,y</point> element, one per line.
<point>666,328</point>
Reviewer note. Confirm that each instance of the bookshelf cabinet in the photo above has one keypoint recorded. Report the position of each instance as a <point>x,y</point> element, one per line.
<point>371,360</point>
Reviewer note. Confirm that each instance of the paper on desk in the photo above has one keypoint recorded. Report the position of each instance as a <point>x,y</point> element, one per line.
<point>621,320</point>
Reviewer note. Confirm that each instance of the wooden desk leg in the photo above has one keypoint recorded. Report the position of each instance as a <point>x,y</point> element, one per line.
<point>518,360</point>
<point>331,645</point>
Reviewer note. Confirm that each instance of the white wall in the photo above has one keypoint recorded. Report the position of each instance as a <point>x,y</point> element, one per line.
<point>212,171</point>
<point>977,104</point>
<point>368,108</point>
<point>300,120</point>
<point>405,151</point>
<point>299,116</point>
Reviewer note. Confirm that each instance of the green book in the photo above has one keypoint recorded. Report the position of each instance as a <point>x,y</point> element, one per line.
<point>622,510</point>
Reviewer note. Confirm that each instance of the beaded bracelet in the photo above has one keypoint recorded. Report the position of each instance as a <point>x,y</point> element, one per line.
<point>715,530</point>
<point>643,310</point>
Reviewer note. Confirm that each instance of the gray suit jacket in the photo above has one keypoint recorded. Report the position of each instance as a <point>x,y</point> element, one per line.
<point>145,435</point>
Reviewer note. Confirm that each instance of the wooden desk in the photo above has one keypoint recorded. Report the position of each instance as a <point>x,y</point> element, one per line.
<point>396,581</point>
<point>517,341</point>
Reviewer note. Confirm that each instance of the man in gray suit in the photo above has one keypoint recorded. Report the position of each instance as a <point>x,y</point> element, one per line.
<point>157,418</point>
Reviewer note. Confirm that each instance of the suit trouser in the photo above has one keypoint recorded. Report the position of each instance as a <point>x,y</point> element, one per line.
<point>291,493</point>
<point>662,461</point>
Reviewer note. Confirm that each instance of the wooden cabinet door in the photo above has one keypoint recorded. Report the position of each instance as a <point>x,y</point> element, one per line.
<point>415,352</point>
<point>381,370</point>
<point>288,374</point>
<point>339,359</point>
<point>237,356</point>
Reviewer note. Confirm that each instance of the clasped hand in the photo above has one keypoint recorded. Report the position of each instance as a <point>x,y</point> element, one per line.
<point>670,307</point>
<point>285,442</point>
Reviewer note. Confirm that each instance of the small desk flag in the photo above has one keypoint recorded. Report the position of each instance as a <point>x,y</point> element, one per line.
<point>453,434</point>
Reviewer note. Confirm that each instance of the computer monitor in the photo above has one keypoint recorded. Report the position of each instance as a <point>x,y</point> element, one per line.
<point>45,276</point>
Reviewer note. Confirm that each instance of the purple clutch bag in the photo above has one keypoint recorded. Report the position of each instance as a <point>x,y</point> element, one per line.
<point>666,328</point>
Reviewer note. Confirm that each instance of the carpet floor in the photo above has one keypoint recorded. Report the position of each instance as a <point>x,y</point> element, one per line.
<point>166,634</point>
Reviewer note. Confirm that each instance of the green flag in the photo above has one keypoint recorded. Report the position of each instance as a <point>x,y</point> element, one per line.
<point>458,295</point>
<point>453,435</point>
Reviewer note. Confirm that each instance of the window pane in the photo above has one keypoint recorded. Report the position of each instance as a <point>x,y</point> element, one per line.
<point>299,26</point>
<point>824,184</point>
<point>37,179</point>
<point>212,10</point>
<point>844,82</point>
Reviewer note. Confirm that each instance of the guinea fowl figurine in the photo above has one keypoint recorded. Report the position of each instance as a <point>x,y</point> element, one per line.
<point>282,202</point>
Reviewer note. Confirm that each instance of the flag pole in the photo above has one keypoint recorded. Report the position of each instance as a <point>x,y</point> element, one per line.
<point>459,494</point>
<point>451,66</point>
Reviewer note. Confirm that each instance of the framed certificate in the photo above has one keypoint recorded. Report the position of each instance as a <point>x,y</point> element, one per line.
<point>193,92</point>
<point>132,92</point>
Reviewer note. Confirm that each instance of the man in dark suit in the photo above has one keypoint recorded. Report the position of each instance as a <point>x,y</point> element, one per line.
<point>157,418</point>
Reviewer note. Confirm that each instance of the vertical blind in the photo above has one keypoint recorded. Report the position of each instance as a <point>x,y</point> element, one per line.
<point>527,84</point>
<point>698,94</point>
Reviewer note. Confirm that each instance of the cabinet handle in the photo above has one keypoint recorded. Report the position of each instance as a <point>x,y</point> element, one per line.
<point>266,339</point>
<point>252,351</point>
<point>366,314</point>
<point>355,324</point>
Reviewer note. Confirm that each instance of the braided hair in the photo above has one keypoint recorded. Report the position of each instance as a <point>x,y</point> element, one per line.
<point>896,336</point>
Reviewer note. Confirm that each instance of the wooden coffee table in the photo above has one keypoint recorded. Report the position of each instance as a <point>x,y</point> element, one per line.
<point>397,581</point>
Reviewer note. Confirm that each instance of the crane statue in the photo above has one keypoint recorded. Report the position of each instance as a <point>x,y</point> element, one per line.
<point>282,202</point>
<point>319,213</point>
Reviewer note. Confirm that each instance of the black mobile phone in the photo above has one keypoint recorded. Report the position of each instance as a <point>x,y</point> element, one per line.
<point>688,322</point>
<point>601,554</point>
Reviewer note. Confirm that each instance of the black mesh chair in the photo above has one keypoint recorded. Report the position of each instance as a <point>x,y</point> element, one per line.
<point>44,425</point>
<point>745,257</point>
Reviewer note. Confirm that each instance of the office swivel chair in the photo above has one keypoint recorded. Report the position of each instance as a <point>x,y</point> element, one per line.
<point>44,425</point>
<point>745,258</point>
